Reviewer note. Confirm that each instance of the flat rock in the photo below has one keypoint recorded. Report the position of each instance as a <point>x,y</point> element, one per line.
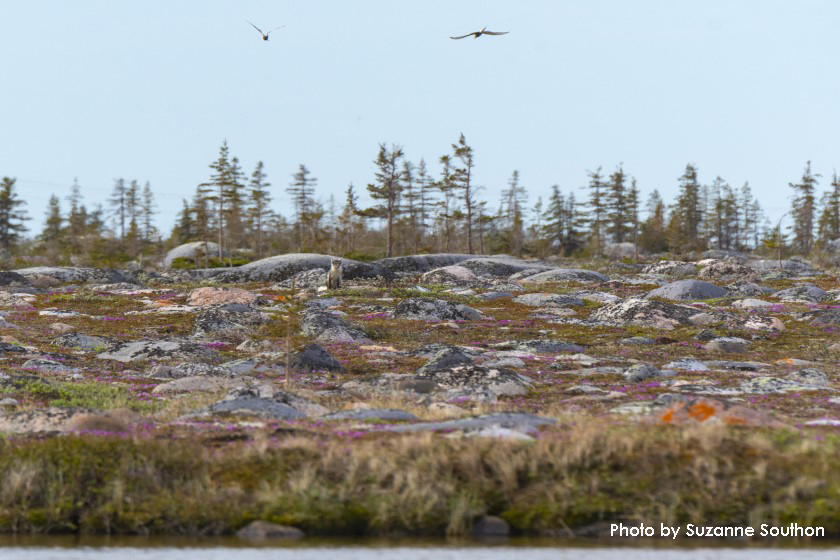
<point>281,267</point>
<point>426,309</point>
<point>259,530</point>
<point>194,384</point>
<point>468,378</point>
<point>641,372</point>
<point>221,296</point>
<point>228,318</point>
<point>389,414</point>
<point>449,275</point>
<point>566,275</point>
<point>539,346</point>
<point>519,421</point>
<point>162,350</point>
<point>645,313</point>
<point>688,290</point>
<point>548,300</point>
<point>421,263</point>
<point>728,344</point>
<point>671,268</point>
<point>327,327</point>
<point>314,358</point>
<point>82,341</point>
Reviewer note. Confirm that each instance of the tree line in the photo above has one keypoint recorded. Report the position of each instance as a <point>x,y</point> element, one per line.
<point>416,209</point>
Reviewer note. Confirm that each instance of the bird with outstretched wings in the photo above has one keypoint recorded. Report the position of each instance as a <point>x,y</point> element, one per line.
<point>262,33</point>
<point>477,34</point>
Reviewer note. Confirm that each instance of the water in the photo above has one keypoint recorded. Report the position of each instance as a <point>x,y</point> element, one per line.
<point>57,548</point>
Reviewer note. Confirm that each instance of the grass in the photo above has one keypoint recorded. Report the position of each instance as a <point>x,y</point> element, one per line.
<point>575,474</point>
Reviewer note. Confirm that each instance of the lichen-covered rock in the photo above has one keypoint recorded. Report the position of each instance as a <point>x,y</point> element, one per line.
<point>426,309</point>
<point>305,279</point>
<point>728,344</point>
<point>502,266</point>
<point>221,296</point>
<point>82,341</point>
<point>444,359</point>
<point>327,327</point>
<point>314,358</point>
<point>712,411</point>
<point>386,414</point>
<point>263,402</point>
<point>726,270</point>
<point>161,350</point>
<point>645,313</point>
<point>45,365</point>
<point>560,275</point>
<point>10,279</point>
<point>449,275</point>
<point>671,268</point>
<point>519,421</point>
<point>230,318</point>
<point>539,346</point>
<point>548,300</point>
<point>77,275</point>
<point>688,290</point>
<point>421,263</point>
<point>472,378</point>
<point>641,372</point>
<point>802,292</point>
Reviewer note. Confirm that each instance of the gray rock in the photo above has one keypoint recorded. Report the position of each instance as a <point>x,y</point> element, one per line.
<point>229,318</point>
<point>726,269</point>
<point>518,421</point>
<point>195,251</point>
<point>548,300</point>
<point>12,279</point>
<point>254,406</point>
<point>41,364</point>
<point>493,296</point>
<point>539,346</point>
<point>637,341</point>
<point>688,290</point>
<point>82,341</point>
<point>188,369</point>
<point>194,384</point>
<point>769,265</point>
<point>474,378</point>
<point>671,268</point>
<point>738,366</point>
<point>421,263</point>
<point>259,530</point>
<point>76,275</point>
<point>163,350</point>
<point>810,376</point>
<point>388,414</point>
<point>304,279</point>
<point>314,358</point>
<point>566,275</point>
<point>645,313</point>
<point>802,292</point>
<point>327,327</point>
<point>749,289</point>
<point>445,359</point>
<point>490,526</point>
<point>281,267</point>
<point>8,347</point>
<point>640,372</point>
<point>449,275</point>
<point>728,344</point>
<point>427,309</point>
<point>686,364</point>
<point>502,266</point>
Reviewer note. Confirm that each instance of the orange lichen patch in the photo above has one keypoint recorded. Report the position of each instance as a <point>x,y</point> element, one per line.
<point>715,411</point>
<point>280,298</point>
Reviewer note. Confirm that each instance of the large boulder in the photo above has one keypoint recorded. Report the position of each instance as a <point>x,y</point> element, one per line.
<point>10,279</point>
<point>77,275</point>
<point>688,290</point>
<point>566,275</point>
<point>281,267</point>
<point>770,265</point>
<point>469,380</point>
<point>220,296</point>
<point>726,270</point>
<point>420,263</point>
<point>453,274</point>
<point>314,358</point>
<point>671,268</point>
<point>194,251</point>
<point>502,266</point>
<point>328,327</point>
<point>426,309</point>
<point>230,318</point>
<point>645,313</point>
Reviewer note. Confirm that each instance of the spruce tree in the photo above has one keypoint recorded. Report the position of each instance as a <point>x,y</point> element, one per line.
<point>51,235</point>
<point>828,226</point>
<point>427,189</point>
<point>617,227</point>
<point>215,190</point>
<point>118,205</point>
<point>77,219</point>
<point>446,187</point>
<point>462,177</point>
<point>258,209</point>
<point>803,210</point>
<point>12,217</point>
<point>555,220</point>
<point>633,213</point>
<point>513,199</point>
<point>185,229</point>
<point>652,237</point>
<point>687,215</point>
<point>386,188</point>
<point>302,190</point>
<point>347,220</point>
<point>597,208</point>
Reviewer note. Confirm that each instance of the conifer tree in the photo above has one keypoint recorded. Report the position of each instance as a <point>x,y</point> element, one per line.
<point>652,236</point>
<point>347,221</point>
<point>148,211</point>
<point>513,199</point>
<point>51,235</point>
<point>687,215</point>
<point>185,229</point>
<point>446,187</point>
<point>215,190</point>
<point>258,209</point>
<point>302,190</point>
<point>118,205</point>
<point>633,212</point>
<point>413,198</point>
<point>234,205</point>
<point>427,189</point>
<point>803,210</point>
<point>597,208</point>
<point>12,217</point>
<point>77,219</point>
<point>617,226</point>
<point>828,226</point>
<point>555,220</point>
<point>202,219</point>
<point>462,177</point>
<point>386,188</point>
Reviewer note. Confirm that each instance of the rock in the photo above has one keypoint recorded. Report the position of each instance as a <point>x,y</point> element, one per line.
<point>94,423</point>
<point>729,344</point>
<point>165,350</point>
<point>44,365</point>
<point>420,263</point>
<point>688,290</point>
<point>327,327</point>
<point>82,341</point>
<point>637,341</point>
<point>756,323</point>
<point>445,359</point>
<point>388,414</point>
<point>704,410</point>
<point>518,421</point>
<point>619,250</point>
<point>12,279</point>
<point>802,292</point>
<point>281,267</point>
<point>314,358</point>
<point>490,526</point>
<point>810,377</point>
<point>252,406</point>
<point>315,278</point>
<point>671,268</point>
<point>686,364</point>
<point>493,296</point>
<point>11,347</point>
<point>229,318</point>
<point>76,275</point>
<point>645,313</point>
<point>426,309</point>
<point>188,369</point>
<point>641,372</point>
<point>194,384</point>
<point>43,421</point>
<point>61,328</point>
<point>449,275</point>
<point>751,303</point>
<point>566,275</point>
<point>539,346</point>
<point>777,385</point>
<point>258,530</point>
<point>502,266</point>
<point>769,265</point>
<point>548,300</point>
<point>726,270</point>
<point>471,379</point>
<point>221,296</point>
<point>44,282</point>
<point>194,251</point>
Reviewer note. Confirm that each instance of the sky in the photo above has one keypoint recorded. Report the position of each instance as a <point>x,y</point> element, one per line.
<point>148,90</point>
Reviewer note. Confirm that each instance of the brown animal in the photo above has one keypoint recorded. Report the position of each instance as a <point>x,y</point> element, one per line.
<point>334,275</point>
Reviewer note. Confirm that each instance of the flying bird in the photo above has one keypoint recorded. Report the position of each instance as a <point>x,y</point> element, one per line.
<point>265,35</point>
<point>477,34</point>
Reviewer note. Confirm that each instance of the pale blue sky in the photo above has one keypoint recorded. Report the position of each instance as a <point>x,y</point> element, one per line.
<point>748,90</point>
